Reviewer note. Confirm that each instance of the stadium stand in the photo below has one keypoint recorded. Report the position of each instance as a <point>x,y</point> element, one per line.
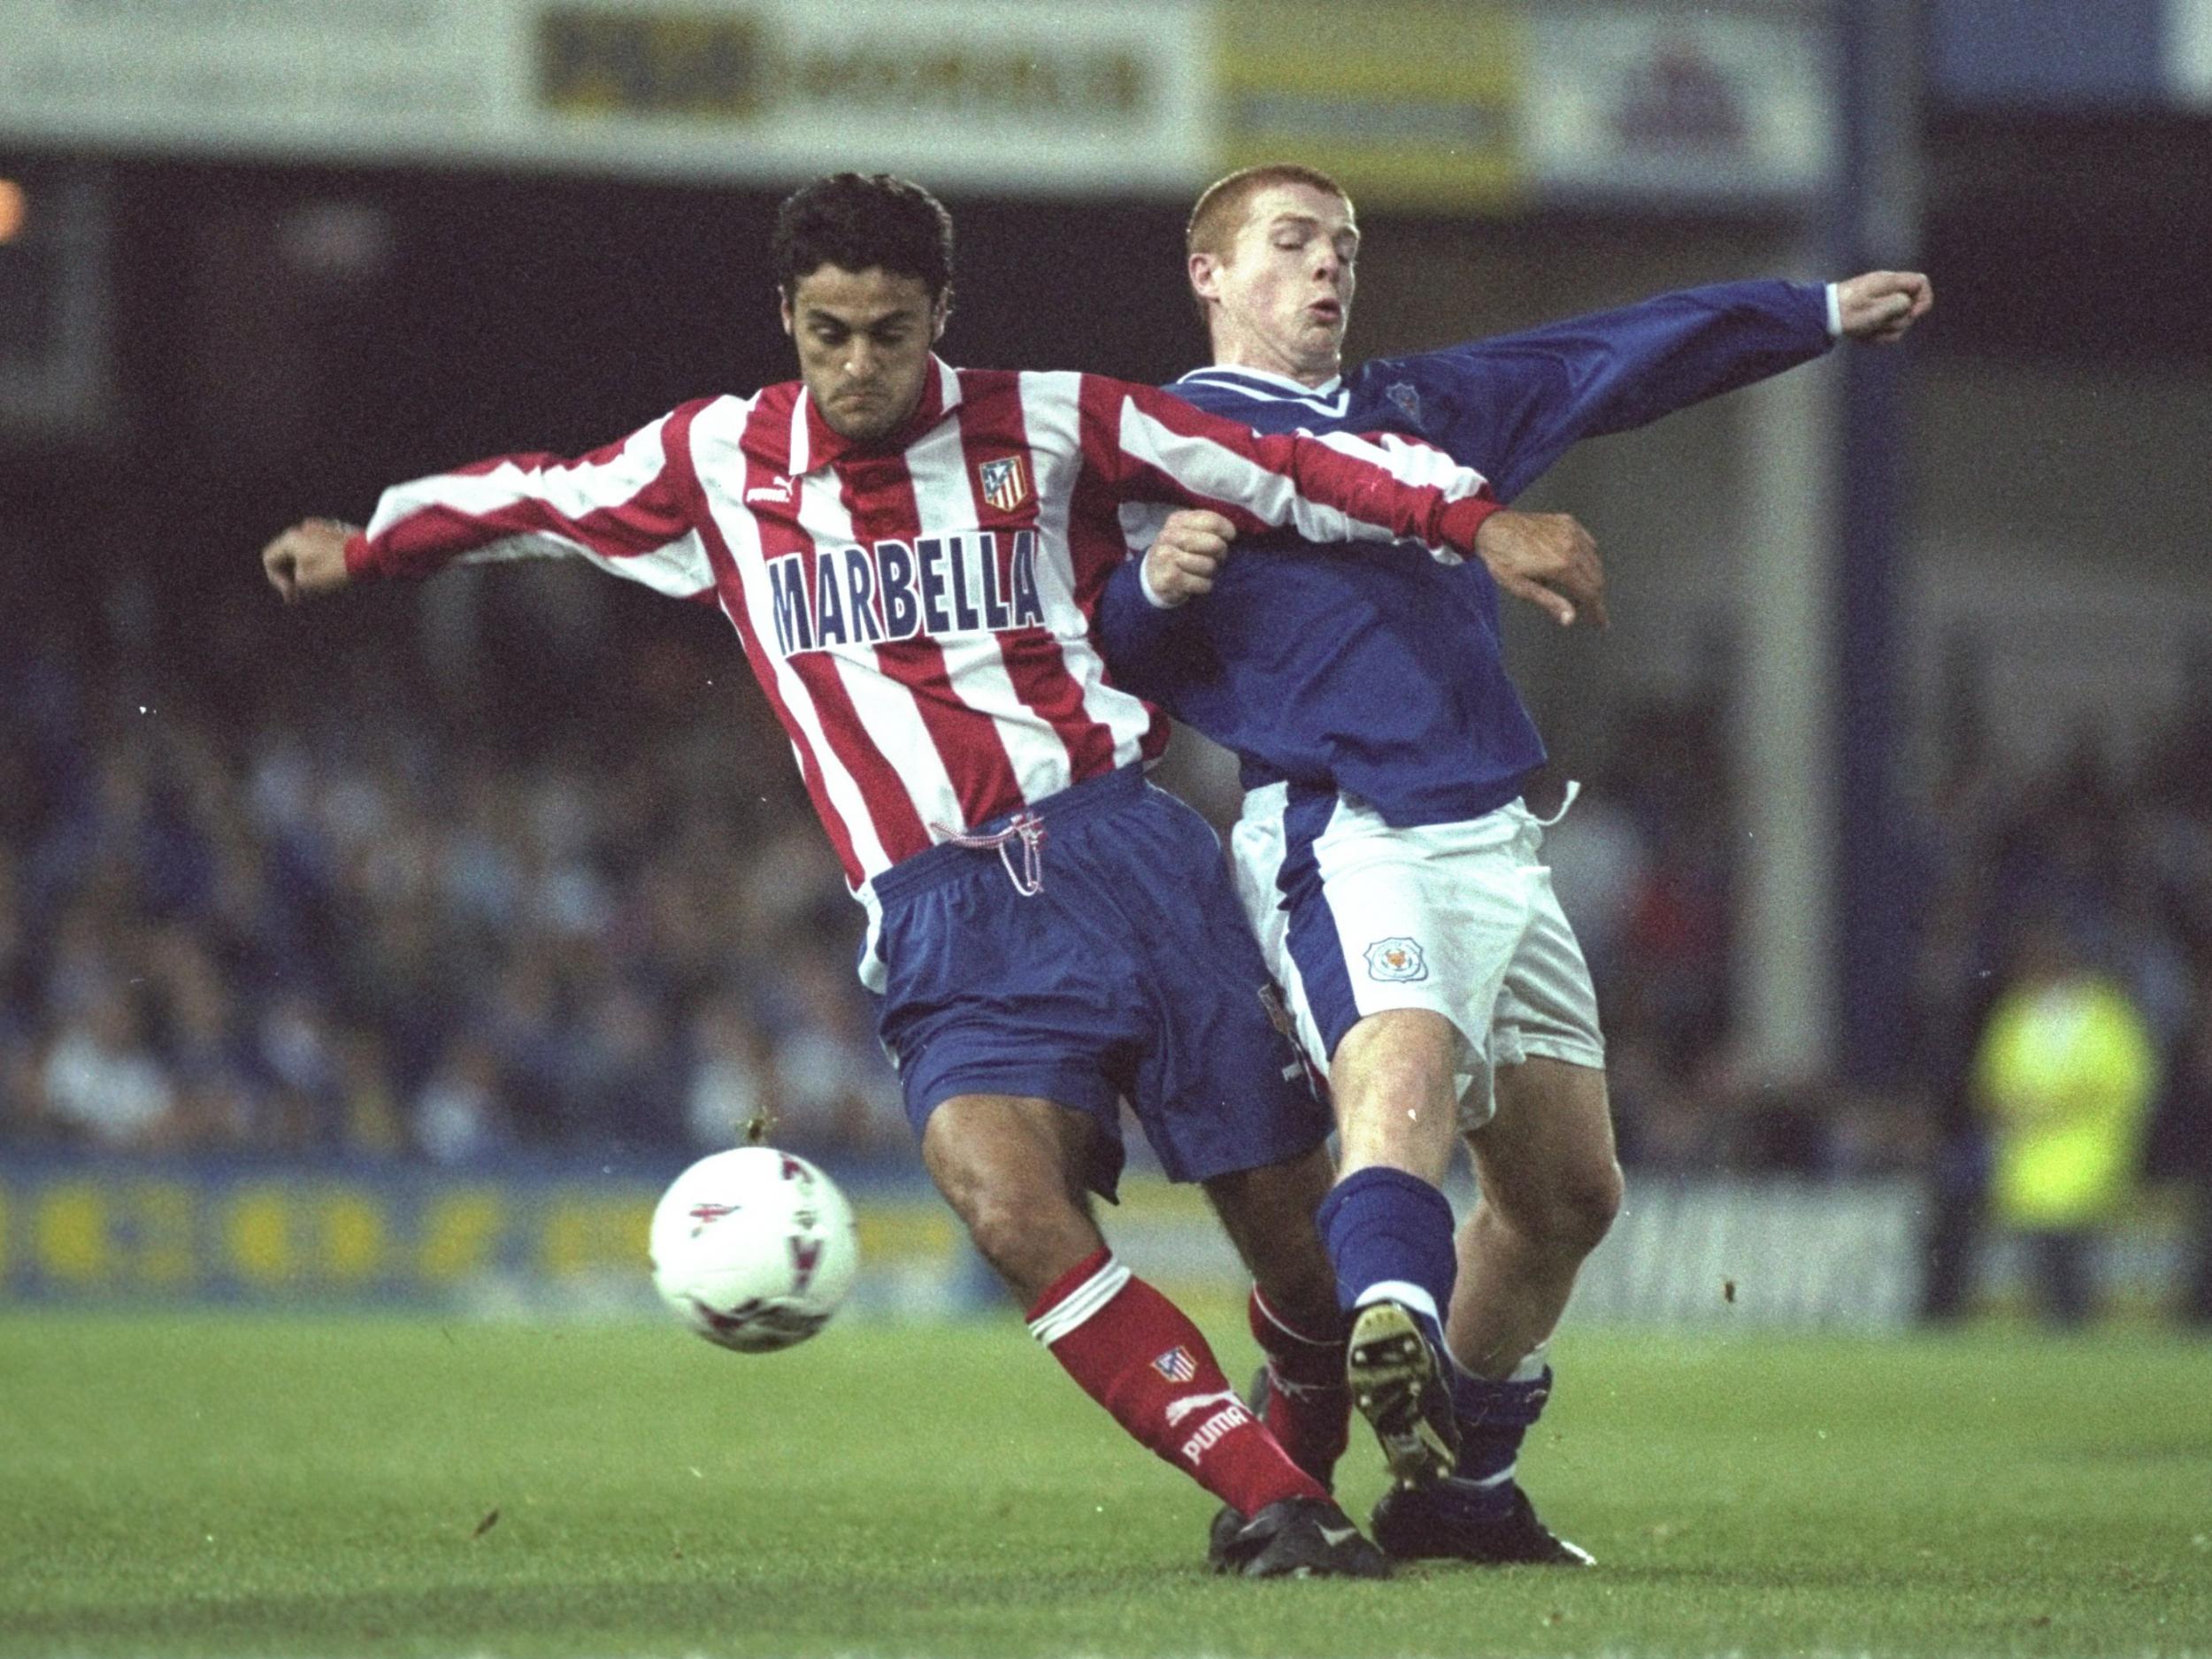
<point>396,931</point>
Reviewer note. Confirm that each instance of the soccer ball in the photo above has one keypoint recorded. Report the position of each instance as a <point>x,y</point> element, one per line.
<point>754,1248</point>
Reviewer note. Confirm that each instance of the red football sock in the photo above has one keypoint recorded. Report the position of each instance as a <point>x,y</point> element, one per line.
<point>1134,1351</point>
<point>1309,1408</point>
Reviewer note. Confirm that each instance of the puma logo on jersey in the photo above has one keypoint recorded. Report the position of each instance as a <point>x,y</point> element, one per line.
<point>974,582</point>
<point>778,491</point>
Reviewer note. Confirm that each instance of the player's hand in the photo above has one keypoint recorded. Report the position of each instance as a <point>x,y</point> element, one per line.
<point>1180,566</point>
<point>308,559</point>
<point>1879,306</point>
<point>1548,559</point>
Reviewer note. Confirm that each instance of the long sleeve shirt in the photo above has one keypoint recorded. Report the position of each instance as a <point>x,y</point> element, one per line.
<point>918,610</point>
<point>1383,677</point>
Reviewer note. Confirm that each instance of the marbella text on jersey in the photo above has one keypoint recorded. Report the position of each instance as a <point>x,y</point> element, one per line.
<point>888,590</point>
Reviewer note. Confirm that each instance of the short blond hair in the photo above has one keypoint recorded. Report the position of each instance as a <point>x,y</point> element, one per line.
<point>1220,211</point>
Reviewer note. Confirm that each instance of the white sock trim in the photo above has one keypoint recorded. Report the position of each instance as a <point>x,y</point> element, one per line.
<point>1075,1309</point>
<point>1532,1365</point>
<point>1529,1370</point>
<point>1275,1319</point>
<point>1489,1482</point>
<point>1400,1290</point>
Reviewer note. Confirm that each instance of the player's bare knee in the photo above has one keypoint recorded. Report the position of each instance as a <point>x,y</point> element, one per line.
<point>1031,1235</point>
<point>1574,1211</point>
<point>1566,1215</point>
<point>1004,1235</point>
<point>1399,1045</point>
<point>1584,1206</point>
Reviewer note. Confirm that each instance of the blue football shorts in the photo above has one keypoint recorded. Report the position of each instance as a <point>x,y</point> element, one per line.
<point>1129,973</point>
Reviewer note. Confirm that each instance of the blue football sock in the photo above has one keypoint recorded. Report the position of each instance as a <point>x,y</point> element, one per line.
<point>1389,1235</point>
<point>1494,1417</point>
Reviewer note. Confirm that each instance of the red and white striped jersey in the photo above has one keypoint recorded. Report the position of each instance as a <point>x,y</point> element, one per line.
<point>918,609</point>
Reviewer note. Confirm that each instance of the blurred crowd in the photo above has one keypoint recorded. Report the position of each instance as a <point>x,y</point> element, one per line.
<point>398,922</point>
<point>390,926</point>
<point>2052,1067</point>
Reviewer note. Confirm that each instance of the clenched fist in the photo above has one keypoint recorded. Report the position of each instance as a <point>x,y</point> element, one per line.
<point>1180,564</point>
<point>308,559</point>
<point>1879,306</point>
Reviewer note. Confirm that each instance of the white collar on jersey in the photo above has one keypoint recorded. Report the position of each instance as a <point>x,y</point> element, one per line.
<point>1263,386</point>
<point>932,409</point>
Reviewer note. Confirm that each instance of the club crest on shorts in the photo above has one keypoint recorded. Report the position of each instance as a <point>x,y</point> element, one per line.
<point>1175,1365</point>
<point>1396,961</point>
<point>1005,483</point>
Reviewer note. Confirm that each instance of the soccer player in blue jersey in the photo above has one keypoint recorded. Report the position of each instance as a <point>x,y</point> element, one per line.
<point>1384,856</point>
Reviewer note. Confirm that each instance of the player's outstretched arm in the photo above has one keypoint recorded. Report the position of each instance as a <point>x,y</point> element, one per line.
<point>1548,559</point>
<point>625,508</point>
<point>1184,558</point>
<point>308,559</point>
<point>1149,446</point>
<point>1511,405</point>
<point>1879,306</point>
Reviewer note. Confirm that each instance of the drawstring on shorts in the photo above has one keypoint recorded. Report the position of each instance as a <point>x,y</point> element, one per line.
<point>1026,827</point>
<point>1574,788</point>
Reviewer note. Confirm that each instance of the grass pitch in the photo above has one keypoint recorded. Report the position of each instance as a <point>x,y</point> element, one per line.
<point>217,1485</point>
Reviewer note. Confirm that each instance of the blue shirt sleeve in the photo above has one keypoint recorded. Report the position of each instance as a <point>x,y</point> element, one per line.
<point>1134,635</point>
<point>1511,406</point>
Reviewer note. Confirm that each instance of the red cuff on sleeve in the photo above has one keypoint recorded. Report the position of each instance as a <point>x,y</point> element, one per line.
<point>360,565</point>
<point>1462,518</point>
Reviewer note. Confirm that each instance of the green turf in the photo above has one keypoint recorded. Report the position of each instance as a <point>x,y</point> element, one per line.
<point>213,1485</point>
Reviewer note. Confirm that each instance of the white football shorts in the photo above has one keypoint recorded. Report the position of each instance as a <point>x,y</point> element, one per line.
<point>1356,916</point>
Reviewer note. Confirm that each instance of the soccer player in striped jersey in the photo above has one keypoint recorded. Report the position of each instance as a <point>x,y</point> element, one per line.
<point>1384,854</point>
<point>908,553</point>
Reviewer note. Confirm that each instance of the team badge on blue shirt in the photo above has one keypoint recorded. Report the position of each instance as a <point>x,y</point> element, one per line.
<point>1396,961</point>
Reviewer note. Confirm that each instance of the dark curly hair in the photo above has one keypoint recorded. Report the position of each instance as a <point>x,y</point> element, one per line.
<point>863,221</point>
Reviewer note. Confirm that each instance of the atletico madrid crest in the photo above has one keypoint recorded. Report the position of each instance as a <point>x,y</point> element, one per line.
<point>1175,1365</point>
<point>1005,482</point>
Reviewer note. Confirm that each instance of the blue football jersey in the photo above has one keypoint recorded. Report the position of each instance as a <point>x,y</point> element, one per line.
<point>1382,674</point>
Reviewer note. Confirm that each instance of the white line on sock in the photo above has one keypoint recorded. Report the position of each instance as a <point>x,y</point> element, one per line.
<point>1401,1291</point>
